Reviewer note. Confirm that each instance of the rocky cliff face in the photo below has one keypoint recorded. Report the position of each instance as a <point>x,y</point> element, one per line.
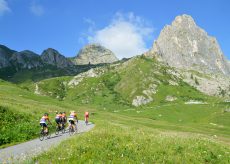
<point>185,45</point>
<point>5,55</point>
<point>25,60</point>
<point>53,57</point>
<point>95,54</point>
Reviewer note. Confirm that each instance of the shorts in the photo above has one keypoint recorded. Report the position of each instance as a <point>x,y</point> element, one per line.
<point>72,122</point>
<point>64,120</point>
<point>58,120</point>
<point>43,124</point>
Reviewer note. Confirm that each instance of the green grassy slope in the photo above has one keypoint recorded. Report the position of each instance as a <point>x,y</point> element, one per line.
<point>114,90</point>
<point>161,131</point>
<point>21,111</point>
<point>120,84</point>
<point>125,139</point>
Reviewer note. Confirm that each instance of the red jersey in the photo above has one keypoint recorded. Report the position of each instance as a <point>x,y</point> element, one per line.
<point>86,114</point>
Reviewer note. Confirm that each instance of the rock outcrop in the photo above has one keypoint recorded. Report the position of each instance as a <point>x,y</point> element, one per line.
<point>94,72</point>
<point>95,54</point>
<point>5,55</point>
<point>185,45</point>
<point>53,57</point>
<point>26,60</point>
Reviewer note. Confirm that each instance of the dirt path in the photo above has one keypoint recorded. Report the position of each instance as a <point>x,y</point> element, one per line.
<point>20,152</point>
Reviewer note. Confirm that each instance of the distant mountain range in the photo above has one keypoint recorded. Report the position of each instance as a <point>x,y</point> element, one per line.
<point>90,54</point>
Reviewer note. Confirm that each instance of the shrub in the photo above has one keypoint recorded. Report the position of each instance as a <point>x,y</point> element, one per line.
<point>16,127</point>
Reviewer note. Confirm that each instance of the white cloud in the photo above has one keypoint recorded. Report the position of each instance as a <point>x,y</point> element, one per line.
<point>4,7</point>
<point>36,9</point>
<point>90,31</point>
<point>125,35</point>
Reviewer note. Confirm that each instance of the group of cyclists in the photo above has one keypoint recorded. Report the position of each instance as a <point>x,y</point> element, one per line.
<point>61,120</point>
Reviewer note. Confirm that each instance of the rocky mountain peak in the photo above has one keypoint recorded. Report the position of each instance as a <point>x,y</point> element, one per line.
<point>95,54</point>
<point>53,57</point>
<point>184,21</point>
<point>185,45</point>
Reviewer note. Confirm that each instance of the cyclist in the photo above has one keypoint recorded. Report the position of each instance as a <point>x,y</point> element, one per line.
<point>86,117</point>
<point>58,119</point>
<point>43,122</point>
<point>64,119</point>
<point>75,113</point>
<point>72,119</point>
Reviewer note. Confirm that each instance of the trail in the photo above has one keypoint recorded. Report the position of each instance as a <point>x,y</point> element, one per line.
<point>20,152</point>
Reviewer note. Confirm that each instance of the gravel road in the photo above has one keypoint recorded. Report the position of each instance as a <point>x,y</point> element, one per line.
<point>20,152</point>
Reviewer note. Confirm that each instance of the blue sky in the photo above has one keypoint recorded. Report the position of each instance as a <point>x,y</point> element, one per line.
<point>67,25</point>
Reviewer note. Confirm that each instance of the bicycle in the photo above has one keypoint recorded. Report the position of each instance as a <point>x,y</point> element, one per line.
<point>86,121</point>
<point>44,134</point>
<point>60,128</point>
<point>72,129</point>
<point>63,128</point>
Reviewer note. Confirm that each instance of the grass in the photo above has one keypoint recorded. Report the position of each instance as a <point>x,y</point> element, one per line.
<point>159,132</point>
<point>122,134</point>
<point>15,126</point>
<point>134,142</point>
<point>21,111</point>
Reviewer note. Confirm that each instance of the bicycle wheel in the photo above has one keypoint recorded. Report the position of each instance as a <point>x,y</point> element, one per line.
<point>63,129</point>
<point>41,135</point>
<point>71,130</point>
<point>57,131</point>
<point>48,135</point>
<point>86,121</point>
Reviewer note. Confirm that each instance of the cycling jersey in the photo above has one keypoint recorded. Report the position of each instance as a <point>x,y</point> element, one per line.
<point>58,116</point>
<point>63,115</point>
<point>72,116</point>
<point>44,119</point>
<point>86,114</point>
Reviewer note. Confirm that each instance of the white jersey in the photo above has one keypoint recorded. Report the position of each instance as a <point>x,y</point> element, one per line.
<point>72,117</point>
<point>43,119</point>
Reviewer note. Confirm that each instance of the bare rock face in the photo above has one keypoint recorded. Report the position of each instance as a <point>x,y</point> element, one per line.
<point>53,57</point>
<point>26,60</point>
<point>95,54</point>
<point>140,100</point>
<point>185,45</point>
<point>170,98</point>
<point>94,72</point>
<point>5,55</point>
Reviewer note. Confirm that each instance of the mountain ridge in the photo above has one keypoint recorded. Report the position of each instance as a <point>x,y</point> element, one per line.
<point>27,59</point>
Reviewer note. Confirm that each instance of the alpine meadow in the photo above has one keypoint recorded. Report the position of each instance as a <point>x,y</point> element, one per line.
<point>167,104</point>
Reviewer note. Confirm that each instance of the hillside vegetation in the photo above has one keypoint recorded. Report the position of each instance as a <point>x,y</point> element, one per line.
<point>178,124</point>
<point>21,111</point>
<point>123,139</point>
<point>123,83</point>
<point>115,86</point>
